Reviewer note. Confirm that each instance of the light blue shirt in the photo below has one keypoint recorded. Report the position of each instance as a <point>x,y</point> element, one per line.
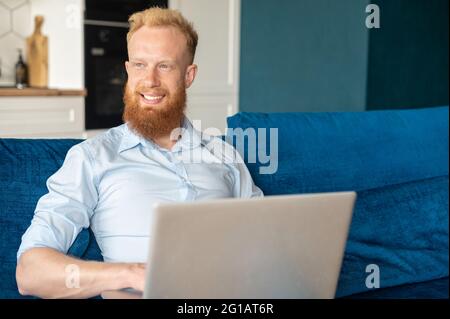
<point>110,183</point>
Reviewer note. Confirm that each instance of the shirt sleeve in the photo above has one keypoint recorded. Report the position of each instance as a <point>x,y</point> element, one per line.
<point>67,207</point>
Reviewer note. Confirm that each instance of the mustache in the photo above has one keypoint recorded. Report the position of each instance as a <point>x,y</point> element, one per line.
<point>150,90</point>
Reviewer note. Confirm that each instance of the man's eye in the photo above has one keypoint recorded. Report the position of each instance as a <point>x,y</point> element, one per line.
<point>139,65</point>
<point>164,66</point>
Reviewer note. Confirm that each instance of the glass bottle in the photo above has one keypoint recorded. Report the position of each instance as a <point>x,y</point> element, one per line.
<point>21,71</point>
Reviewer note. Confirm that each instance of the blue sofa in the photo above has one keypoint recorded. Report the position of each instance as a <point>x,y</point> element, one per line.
<point>397,161</point>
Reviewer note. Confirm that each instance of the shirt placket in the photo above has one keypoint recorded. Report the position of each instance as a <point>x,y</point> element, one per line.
<point>178,167</point>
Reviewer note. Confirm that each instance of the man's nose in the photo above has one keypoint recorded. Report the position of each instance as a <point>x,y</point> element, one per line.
<point>152,78</point>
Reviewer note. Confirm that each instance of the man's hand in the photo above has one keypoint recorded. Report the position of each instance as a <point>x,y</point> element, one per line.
<point>137,276</point>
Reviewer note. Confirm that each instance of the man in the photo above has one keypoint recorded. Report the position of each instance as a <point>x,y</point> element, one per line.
<point>110,182</point>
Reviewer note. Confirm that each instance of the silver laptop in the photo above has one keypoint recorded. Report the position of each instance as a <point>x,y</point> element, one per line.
<point>288,246</point>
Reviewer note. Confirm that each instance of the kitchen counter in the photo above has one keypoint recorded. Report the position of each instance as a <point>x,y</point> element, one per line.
<point>12,91</point>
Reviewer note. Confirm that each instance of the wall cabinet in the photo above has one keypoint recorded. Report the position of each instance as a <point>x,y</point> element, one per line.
<point>52,115</point>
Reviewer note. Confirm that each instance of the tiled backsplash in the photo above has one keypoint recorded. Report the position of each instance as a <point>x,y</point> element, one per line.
<point>15,26</point>
<point>63,25</point>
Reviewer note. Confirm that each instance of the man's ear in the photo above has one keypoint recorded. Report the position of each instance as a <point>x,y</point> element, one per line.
<point>191,72</point>
<point>127,65</point>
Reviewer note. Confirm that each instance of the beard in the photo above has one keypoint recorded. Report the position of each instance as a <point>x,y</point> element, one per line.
<point>157,121</point>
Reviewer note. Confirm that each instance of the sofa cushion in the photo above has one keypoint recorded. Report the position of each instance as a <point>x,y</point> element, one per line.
<point>25,166</point>
<point>403,229</point>
<point>321,152</point>
<point>92,251</point>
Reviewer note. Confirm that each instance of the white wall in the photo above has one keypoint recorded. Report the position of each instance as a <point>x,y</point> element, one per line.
<point>64,27</point>
<point>215,92</point>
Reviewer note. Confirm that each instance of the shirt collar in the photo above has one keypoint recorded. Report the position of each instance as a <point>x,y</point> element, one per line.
<point>129,139</point>
<point>190,138</point>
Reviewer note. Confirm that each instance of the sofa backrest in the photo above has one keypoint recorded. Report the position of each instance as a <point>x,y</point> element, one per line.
<point>321,152</point>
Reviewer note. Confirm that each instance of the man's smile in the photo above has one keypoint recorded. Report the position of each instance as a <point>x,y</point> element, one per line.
<point>151,99</point>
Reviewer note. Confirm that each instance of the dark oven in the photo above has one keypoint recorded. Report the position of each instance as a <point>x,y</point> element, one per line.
<point>105,53</point>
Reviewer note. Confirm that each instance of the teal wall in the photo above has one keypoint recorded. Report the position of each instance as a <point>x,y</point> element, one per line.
<point>318,55</point>
<point>408,55</point>
<point>303,55</point>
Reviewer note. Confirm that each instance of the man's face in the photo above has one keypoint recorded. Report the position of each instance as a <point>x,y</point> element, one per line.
<point>159,71</point>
